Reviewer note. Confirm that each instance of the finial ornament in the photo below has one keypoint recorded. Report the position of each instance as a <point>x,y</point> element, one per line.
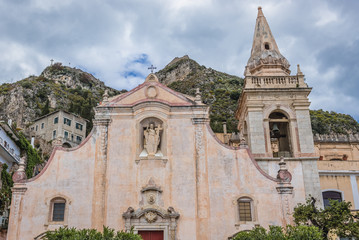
<point>105,96</point>
<point>283,173</point>
<point>198,98</point>
<point>260,13</point>
<point>20,174</point>
<point>299,72</point>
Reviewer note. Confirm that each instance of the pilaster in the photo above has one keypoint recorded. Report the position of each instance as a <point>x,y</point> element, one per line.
<point>285,190</point>
<point>202,188</point>
<point>18,192</point>
<point>256,130</point>
<point>99,205</point>
<point>305,134</point>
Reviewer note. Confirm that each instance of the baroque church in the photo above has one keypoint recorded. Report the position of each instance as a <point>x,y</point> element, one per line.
<point>152,162</point>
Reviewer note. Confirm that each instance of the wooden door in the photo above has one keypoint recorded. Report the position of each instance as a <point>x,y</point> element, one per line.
<point>151,235</point>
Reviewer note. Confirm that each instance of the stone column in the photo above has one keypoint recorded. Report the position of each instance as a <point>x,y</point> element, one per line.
<point>202,190</point>
<point>285,190</point>
<point>98,218</point>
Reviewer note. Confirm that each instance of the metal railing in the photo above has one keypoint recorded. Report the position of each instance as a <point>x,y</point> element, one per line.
<point>11,151</point>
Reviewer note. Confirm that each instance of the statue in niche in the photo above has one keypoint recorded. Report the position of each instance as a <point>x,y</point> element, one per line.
<point>152,139</point>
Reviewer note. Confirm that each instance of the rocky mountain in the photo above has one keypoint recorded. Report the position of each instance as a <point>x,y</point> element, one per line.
<point>219,90</point>
<point>62,87</point>
<point>57,87</point>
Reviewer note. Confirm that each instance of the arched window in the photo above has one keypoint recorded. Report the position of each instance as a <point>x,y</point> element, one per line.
<point>245,209</point>
<point>333,195</point>
<point>58,207</point>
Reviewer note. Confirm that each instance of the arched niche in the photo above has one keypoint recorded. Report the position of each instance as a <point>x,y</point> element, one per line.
<point>152,139</point>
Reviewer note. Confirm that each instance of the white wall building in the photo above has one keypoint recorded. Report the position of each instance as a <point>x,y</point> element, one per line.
<point>9,151</point>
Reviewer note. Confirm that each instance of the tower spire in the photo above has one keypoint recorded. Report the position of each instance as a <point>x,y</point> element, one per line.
<point>266,59</point>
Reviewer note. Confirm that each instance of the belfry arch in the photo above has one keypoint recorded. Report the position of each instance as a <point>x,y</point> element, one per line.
<point>280,134</point>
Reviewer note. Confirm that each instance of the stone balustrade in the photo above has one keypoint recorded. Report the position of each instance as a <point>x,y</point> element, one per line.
<point>336,138</point>
<point>269,81</point>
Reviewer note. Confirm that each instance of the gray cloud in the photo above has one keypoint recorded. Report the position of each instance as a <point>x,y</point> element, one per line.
<point>109,39</point>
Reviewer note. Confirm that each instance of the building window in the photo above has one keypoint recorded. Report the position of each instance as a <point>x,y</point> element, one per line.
<point>245,209</point>
<point>36,127</point>
<point>42,125</point>
<point>58,206</point>
<point>79,126</point>
<point>66,133</point>
<point>54,134</point>
<point>78,139</point>
<point>56,120</point>
<point>331,195</point>
<point>67,121</point>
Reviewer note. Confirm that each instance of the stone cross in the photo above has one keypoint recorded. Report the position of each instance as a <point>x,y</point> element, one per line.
<point>152,68</point>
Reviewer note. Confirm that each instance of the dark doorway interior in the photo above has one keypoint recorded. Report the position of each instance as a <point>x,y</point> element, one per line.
<point>151,235</point>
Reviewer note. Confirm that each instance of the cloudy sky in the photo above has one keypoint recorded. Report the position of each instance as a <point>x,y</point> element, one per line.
<point>116,40</point>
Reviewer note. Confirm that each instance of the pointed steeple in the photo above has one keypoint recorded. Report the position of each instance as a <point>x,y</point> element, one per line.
<point>266,59</point>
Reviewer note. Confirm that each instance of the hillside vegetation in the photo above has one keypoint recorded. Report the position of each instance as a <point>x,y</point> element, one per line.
<point>219,90</point>
<point>324,122</point>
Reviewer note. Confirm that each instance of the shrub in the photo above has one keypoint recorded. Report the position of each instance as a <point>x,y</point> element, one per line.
<point>278,233</point>
<point>84,234</point>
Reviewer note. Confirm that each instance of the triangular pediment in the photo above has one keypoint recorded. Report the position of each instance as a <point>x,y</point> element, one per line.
<point>151,91</point>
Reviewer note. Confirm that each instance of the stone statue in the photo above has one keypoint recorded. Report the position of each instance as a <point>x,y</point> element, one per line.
<point>152,138</point>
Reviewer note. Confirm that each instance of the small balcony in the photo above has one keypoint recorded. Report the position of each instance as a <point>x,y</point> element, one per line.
<point>4,145</point>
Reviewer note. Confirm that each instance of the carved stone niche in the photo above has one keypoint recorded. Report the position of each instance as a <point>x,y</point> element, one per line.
<point>151,215</point>
<point>152,140</point>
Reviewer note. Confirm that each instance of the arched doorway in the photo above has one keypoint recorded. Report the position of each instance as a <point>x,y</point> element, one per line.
<point>66,145</point>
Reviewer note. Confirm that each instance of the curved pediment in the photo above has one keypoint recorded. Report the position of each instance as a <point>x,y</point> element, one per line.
<point>151,91</point>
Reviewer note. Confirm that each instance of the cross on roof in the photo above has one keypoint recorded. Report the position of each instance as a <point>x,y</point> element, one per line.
<point>152,68</point>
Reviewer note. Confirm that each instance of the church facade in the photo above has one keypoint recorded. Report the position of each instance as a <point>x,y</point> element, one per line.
<point>152,162</point>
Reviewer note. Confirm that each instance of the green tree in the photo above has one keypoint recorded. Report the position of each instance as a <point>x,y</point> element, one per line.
<point>336,218</point>
<point>6,185</point>
<point>33,157</point>
<point>85,234</point>
<point>278,233</point>
<point>46,109</point>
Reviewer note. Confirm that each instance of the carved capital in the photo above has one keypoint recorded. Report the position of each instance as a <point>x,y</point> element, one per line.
<point>284,188</point>
<point>200,120</point>
<point>101,122</point>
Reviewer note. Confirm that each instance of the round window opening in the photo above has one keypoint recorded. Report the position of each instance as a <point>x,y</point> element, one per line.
<point>266,46</point>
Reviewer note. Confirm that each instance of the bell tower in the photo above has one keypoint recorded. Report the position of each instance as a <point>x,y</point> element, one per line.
<point>273,110</point>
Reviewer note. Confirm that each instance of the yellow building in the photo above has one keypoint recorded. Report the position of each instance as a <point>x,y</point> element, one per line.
<point>338,167</point>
